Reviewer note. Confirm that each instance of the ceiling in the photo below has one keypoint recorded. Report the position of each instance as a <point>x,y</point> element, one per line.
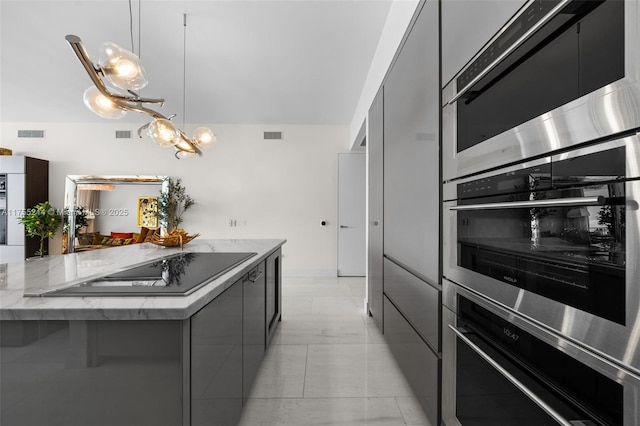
<point>236,61</point>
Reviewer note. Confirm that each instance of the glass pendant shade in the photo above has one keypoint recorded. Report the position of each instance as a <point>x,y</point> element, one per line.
<point>183,146</point>
<point>163,132</point>
<point>121,68</point>
<point>101,105</point>
<point>204,137</point>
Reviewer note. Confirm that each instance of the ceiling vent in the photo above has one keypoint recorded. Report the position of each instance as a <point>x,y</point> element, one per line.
<point>123,134</point>
<point>272,135</point>
<point>31,133</point>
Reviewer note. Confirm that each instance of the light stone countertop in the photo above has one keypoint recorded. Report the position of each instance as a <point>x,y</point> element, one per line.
<point>40,275</point>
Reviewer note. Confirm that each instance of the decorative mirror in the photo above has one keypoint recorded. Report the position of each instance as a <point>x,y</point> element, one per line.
<point>109,205</point>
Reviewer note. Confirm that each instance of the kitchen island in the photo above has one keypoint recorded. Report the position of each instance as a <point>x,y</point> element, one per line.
<point>128,359</point>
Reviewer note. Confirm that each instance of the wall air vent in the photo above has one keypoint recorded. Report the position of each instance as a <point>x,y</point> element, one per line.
<point>272,135</point>
<point>31,133</point>
<point>123,134</point>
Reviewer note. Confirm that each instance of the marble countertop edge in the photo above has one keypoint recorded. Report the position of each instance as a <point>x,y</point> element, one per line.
<point>15,306</point>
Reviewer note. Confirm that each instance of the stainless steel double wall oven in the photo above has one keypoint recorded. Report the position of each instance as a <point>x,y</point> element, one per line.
<point>541,242</point>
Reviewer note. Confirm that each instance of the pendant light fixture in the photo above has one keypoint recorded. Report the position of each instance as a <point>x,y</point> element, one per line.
<point>122,70</point>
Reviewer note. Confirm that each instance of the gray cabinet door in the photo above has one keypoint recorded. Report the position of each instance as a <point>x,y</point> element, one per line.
<point>375,146</point>
<point>418,301</point>
<point>253,325</point>
<point>216,360</point>
<point>419,364</point>
<point>411,150</point>
<point>273,293</point>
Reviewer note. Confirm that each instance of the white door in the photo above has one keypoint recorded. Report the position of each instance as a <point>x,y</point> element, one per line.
<point>351,215</point>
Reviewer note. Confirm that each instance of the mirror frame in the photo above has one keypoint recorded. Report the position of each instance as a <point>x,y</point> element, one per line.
<point>71,195</point>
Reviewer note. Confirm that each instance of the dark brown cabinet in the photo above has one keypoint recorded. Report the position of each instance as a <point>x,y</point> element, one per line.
<point>25,184</point>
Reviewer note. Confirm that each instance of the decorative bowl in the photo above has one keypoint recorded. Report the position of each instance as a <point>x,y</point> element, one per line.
<point>176,238</point>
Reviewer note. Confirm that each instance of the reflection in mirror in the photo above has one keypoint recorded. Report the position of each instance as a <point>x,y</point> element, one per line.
<point>108,204</point>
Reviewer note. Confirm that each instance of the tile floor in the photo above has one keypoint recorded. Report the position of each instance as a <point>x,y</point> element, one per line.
<point>328,363</point>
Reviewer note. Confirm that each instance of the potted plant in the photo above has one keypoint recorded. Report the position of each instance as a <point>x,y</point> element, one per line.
<point>79,222</point>
<point>173,203</point>
<point>43,220</point>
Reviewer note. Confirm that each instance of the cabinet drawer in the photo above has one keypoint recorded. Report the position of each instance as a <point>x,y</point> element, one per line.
<point>420,365</point>
<point>418,301</point>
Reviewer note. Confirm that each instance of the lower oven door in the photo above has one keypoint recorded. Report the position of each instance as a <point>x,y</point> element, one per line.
<point>500,369</point>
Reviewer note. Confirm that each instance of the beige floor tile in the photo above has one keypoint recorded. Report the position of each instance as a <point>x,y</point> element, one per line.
<point>412,412</point>
<point>329,364</point>
<point>294,330</point>
<point>322,411</point>
<point>353,370</point>
<point>282,372</point>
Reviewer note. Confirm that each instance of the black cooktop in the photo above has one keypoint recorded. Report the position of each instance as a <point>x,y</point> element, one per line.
<point>176,275</point>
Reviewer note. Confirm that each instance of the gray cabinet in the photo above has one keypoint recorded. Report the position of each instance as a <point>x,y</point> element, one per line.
<point>79,373</point>
<point>375,138</point>
<point>411,150</point>
<point>419,301</point>
<point>273,291</point>
<point>216,360</point>
<point>419,364</point>
<point>253,325</point>
<point>410,264</point>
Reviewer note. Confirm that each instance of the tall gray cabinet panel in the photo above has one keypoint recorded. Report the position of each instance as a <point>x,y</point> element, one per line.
<point>411,150</point>
<point>411,289</point>
<point>375,152</point>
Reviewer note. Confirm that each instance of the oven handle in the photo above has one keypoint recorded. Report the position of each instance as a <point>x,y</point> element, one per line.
<point>535,398</point>
<point>560,202</point>
<point>511,48</point>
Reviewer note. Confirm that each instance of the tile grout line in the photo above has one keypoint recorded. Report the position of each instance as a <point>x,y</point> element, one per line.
<point>304,379</point>
<point>400,410</point>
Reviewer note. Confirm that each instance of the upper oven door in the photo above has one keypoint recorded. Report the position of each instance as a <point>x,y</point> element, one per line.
<point>558,74</point>
<point>564,253</point>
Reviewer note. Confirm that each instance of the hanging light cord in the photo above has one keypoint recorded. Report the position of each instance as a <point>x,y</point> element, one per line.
<point>184,70</point>
<point>131,27</point>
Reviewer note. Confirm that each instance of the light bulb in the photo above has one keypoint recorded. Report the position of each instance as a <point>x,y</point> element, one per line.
<point>163,132</point>
<point>101,105</point>
<point>204,137</point>
<point>122,68</point>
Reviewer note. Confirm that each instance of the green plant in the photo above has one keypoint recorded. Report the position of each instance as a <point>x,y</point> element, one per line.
<point>80,219</point>
<point>43,220</point>
<point>173,203</point>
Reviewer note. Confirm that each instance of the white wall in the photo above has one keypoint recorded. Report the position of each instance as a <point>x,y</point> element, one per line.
<point>273,189</point>
<point>400,14</point>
